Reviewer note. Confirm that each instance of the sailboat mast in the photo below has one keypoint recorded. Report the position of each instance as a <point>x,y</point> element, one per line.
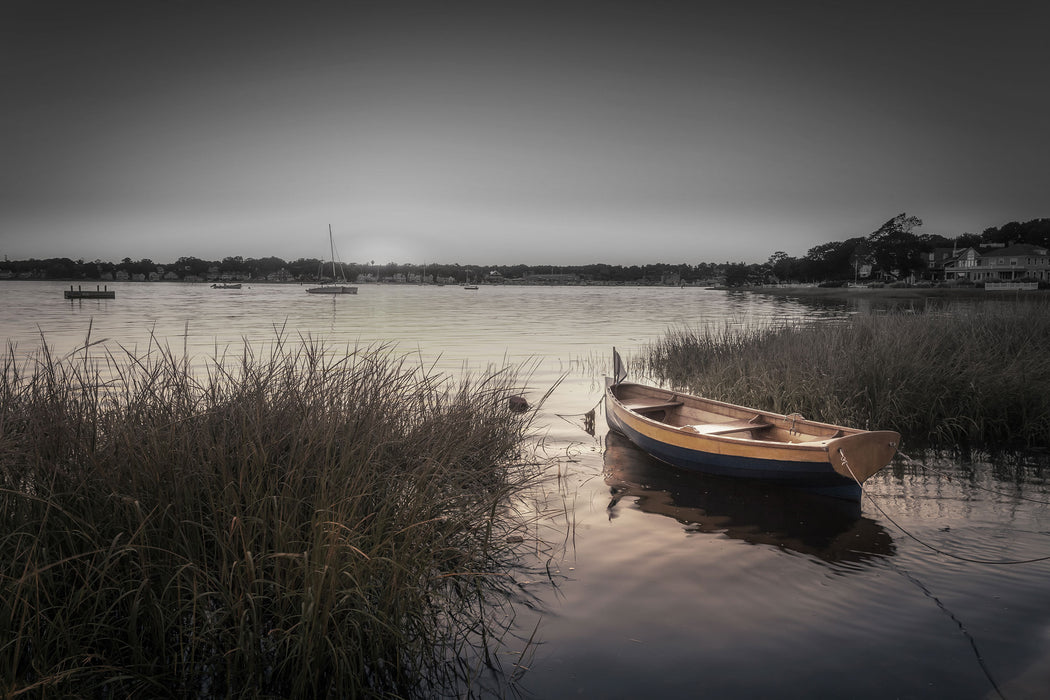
<point>331,244</point>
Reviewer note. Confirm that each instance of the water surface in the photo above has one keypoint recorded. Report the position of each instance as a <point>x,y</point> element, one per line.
<point>661,583</point>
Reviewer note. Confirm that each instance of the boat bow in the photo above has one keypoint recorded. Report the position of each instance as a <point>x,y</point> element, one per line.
<point>859,456</point>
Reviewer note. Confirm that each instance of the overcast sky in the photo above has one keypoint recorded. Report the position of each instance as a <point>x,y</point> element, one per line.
<point>513,132</point>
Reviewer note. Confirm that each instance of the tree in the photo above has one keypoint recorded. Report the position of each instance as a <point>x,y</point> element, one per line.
<point>894,248</point>
<point>144,266</point>
<point>59,268</point>
<point>830,261</point>
<point>233,263</point>
<point>740,274</point>
<point>191,266</point>
<point>781,266</point>
<point>261,267</point>
<point>861,258</point>
<point>1034,232</point>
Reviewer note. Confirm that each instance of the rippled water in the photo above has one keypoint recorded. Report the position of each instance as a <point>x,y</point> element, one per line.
<point>664,584</point>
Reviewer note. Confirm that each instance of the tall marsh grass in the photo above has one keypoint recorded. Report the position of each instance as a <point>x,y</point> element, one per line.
<point>977,375</point>
<point>301,524</point>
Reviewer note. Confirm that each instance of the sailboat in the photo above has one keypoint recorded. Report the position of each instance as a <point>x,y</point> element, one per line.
<point>337,287</point>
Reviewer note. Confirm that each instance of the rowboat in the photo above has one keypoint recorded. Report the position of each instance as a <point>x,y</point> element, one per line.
<point>832,531</point>
<point>711,436</point>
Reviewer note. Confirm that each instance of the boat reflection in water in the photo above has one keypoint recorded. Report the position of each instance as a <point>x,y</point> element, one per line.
<point>832,530</point>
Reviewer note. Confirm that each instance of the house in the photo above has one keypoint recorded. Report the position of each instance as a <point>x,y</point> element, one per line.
<point>281,275</point>
<point>960,264</point>
<point>937,260</point>
<point>1013,262</point>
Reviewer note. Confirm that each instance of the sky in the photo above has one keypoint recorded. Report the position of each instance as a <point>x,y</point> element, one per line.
<point>508,132</point>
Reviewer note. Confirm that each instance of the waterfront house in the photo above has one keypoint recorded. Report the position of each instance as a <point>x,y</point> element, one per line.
<point>1014,262</point>
<point>938,260</point>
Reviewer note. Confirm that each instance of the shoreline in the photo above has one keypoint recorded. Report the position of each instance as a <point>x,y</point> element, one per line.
<point>891,292</point>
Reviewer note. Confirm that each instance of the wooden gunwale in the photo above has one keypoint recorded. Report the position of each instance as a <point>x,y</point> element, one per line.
<point>680,410</point>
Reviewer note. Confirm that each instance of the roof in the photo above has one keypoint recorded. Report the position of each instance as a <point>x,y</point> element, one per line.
<point>1015,249</point>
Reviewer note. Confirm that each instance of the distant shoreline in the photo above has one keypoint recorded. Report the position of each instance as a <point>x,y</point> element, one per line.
<point>886,292</point>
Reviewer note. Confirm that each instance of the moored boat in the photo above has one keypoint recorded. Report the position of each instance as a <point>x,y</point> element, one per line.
<point>332,289</point>
<point>711,436</point>
<point>338,287</point>
<point>831,530</point>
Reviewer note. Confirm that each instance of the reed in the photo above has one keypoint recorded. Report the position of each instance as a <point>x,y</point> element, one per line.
<point>975,374</point>
<point>305,523</point>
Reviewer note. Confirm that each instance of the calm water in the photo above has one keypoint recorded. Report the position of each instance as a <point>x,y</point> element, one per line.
<point>667,584</point>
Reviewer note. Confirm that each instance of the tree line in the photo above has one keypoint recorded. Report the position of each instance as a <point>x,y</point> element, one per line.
<point>892,251</point>
<point>236,267</point>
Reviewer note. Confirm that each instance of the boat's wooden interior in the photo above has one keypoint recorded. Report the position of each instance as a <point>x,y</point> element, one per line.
<point>706,417</point>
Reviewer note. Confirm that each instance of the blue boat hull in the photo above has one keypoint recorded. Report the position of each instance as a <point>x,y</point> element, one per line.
<point>809,476</point>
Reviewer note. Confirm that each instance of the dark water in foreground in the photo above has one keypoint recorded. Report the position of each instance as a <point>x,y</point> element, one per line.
<point>665,584</point>
<point>694,586</point>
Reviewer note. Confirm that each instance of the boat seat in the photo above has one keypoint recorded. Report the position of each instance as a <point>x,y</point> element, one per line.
<point>823,440</point>
<point>646,406</point>
<point>736,426</point>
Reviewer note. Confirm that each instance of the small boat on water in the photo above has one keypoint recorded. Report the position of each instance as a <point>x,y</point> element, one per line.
<point>747,510</point>
<point>338,287</point>
<point>226,286</point>
<point>710,436</point>
<point>332,289</point>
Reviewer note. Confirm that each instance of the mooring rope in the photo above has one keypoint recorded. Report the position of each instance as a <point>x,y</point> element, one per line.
<point>954,618</point>
<point>938,550</point>
<point>588,417</point>
<point>590,410</point>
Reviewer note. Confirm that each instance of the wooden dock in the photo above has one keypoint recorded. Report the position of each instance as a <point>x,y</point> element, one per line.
<point>95,293</point>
